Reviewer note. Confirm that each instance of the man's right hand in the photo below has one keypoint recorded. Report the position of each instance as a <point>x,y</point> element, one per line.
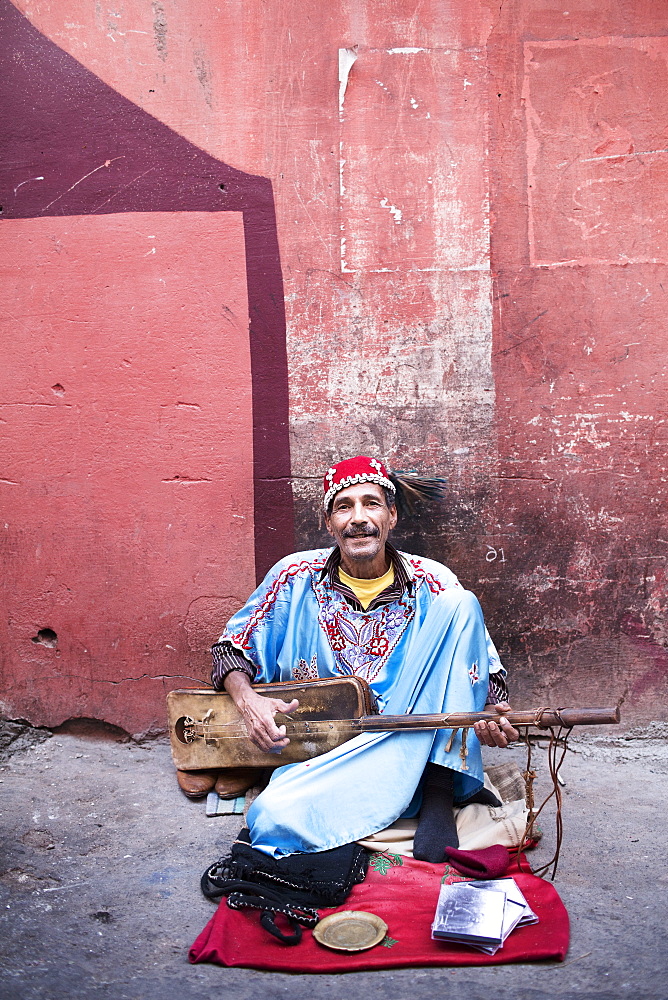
<point>258,712</point>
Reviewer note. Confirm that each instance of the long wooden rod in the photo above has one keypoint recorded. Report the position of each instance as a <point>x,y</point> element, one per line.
<point>541,718</point>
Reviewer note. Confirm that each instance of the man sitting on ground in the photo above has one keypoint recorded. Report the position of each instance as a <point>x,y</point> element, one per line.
<point>405,625</point>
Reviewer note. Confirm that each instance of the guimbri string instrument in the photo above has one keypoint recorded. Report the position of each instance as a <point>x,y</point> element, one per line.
<point>207,731</point>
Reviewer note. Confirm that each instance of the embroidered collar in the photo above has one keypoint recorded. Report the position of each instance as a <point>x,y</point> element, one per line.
<point>403,579</point>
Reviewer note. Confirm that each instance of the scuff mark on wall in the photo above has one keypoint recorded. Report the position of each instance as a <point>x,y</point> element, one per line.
<point>106,164</point>
<point>28,181</point>
<point>203,71</point>
<point>160,29</point>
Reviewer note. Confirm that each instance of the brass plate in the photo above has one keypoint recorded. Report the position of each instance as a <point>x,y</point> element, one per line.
<point>350,930</point>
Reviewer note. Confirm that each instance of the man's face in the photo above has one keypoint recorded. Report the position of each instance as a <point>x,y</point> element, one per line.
<point>360,522</point>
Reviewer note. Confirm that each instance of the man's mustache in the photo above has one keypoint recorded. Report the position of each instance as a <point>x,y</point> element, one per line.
<point>369,532</point>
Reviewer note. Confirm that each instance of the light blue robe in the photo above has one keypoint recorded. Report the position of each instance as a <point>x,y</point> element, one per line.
<point>425,652</point>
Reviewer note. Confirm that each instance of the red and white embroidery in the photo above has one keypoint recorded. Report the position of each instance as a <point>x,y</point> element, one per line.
<point>361,642</point>
<point>241,639</point>
<point>435,585</point>
<point>306,671</point>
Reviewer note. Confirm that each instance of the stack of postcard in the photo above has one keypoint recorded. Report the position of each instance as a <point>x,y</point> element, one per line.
<point>481,914</point>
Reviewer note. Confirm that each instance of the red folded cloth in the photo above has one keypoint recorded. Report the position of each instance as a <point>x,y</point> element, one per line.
<point>491,862</point>
<point>404,893</point>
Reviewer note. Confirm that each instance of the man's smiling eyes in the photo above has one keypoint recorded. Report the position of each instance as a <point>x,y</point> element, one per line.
<point>343,507</point>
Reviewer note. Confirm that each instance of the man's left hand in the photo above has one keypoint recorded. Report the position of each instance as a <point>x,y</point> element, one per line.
<point>496,733</point>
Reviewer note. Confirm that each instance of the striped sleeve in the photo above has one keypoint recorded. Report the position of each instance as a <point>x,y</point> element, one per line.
<point>498,688</point>
<point>226,659</point>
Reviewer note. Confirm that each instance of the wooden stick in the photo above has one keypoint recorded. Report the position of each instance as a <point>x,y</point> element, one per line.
<point>541,718</point>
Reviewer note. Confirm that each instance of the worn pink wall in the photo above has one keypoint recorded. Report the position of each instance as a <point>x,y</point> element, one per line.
<point>579,251</point>
<point>471,205</point>
<point>116,457</point>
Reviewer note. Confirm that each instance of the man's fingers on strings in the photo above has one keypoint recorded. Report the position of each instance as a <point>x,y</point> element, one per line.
<point>272,738</point>
<point>269,741</point>
<point>490,735</point>
<point>502,731</point>
<point>275,738</point>
<point>285,707</point>
<point>262,729</point>
<point>508,731</point>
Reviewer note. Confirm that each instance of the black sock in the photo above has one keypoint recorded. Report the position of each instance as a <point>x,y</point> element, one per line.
<point>483,798</point>
<point>436,827</point>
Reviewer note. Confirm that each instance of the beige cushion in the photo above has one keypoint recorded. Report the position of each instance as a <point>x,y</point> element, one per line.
<point>477,826</point>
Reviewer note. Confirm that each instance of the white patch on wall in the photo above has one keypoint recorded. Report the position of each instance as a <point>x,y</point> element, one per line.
<point>392,209</point>
<point>393,354</point>
<point>417,391</point>
<point>427,171</point>
<point>346,59</point>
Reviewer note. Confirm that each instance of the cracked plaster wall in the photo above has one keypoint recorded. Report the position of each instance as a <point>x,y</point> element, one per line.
<point>473,246</point>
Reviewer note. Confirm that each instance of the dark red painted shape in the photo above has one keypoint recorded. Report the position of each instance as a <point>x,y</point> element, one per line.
<point>98,154</point>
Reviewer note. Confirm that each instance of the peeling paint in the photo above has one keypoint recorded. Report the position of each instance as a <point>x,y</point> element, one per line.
<point>203,72</point>
<point>392,209</point>
<point>539,412</point>
<point>347,58</point>
<point>445,219</point>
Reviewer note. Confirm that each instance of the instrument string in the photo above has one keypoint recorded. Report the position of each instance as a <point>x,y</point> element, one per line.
<point>241,734</point>
<point>234,730</point>
<point>213,732</point>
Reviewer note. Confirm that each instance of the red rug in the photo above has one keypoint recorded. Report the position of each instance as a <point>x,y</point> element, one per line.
<point>404,893</point>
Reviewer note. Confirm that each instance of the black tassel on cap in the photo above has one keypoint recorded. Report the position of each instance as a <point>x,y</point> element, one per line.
<point>413,489</point>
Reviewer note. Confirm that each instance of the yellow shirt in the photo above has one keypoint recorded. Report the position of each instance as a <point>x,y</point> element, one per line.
<point>366,590</point>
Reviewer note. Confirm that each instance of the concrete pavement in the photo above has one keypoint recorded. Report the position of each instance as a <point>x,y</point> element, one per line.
<point>101,858</point>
